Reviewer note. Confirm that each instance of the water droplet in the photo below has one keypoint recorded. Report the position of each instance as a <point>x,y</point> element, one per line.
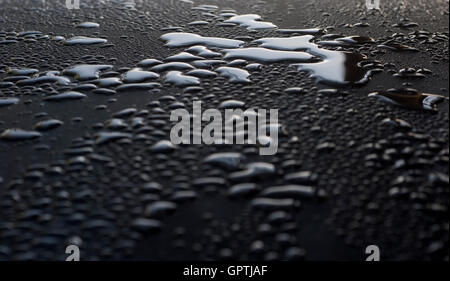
<point>48,124</point>
<point>88,24</point>
<point>289,191</point>
<point>227,160</point>
<point>18,135</point>
<point>8,101</point>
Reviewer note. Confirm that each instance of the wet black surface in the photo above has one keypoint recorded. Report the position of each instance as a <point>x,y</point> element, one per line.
<point>379,172</point>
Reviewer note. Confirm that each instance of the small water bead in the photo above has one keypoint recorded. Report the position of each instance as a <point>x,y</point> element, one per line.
<point>48,124</point>
<point>8,101</point>
<point>58,38</point>
<point>163,146</point>
<point>146,225</point>
<point>160,209</point>
<point>242,190</point>
<point>230,104</point>
<point>294,90</point>
<point>198,23</point>
<point>71,95</point>
<point>106,137</point>
<point>127,112</point>
<point>226,160</point>
<point>88,24</point>
<point>289,191</point>
<point>270,204</point>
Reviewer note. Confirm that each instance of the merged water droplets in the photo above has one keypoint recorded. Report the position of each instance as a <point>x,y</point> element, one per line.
<point>177,78</point>
<point>410,98</point>
<point>235,75</point>
<point>180,39</point>
<point>8,101</point>
<point>250,21</point>
<point>83,40</point>
<point>19,135</point>
<point>263,55</point>
<point>86,71</point>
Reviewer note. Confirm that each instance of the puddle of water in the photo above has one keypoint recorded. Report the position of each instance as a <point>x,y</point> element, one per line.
<point>336,67</point>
